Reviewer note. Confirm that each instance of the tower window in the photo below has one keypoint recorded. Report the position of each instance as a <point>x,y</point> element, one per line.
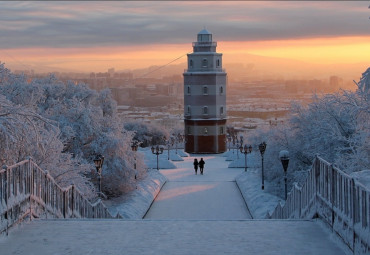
<point>205,110</point>
<point>221,130</point>
<point>188,112</point>
<point>205,131</point>
<point>189,90</point>
<point>204,62</point>
<point>191,63</point>
<point>218,63</point>
<point>221,90</point>
<point>189,131</point>
<point>221,110</point>
<point>205,90</point>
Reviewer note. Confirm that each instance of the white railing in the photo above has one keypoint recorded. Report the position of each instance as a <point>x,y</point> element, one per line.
<point>336,198</point>
<point>26,191</point>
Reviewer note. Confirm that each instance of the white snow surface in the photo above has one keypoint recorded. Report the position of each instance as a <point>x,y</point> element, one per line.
<point>362,177</point>
<point>175,157</point>
<point>136,204</point>
<point>211,196</point>
<point>151,159</point>
<point>175,237</point>
<point>260,202</point>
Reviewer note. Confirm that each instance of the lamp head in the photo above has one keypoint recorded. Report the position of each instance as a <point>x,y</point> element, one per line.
<point>284,157</point>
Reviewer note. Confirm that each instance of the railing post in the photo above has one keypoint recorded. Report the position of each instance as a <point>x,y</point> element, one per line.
<point>317,174</point>
<point>64,203</point>
<point>332,197</point>
<point>300,203</point>
<point>6,198</point>
<point>353,206</point>
<point>73,199</point>
<point>30,169</point>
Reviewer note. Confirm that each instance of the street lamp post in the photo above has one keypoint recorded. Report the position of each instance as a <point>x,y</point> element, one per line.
<point>134,149</point>
<point>262,148</point>
<point>157,151</point>
<point>229,140</point>
<point>284,157</point>
<point>98,161</point>
<point>237,146</point>
<point>245,150</point>
<point>168,148</point>
<point>175,140</point>
<point>233,144</point>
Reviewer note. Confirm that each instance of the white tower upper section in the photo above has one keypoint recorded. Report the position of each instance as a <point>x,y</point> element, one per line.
<point>204,36</point>
<point>204,57</point>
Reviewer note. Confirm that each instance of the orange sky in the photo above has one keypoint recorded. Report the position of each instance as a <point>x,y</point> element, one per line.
<point>314,50</point>
<point>137,34</point>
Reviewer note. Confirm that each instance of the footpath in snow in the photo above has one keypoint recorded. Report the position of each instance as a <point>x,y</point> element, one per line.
<point>212,196</point>
<point>175,237</point>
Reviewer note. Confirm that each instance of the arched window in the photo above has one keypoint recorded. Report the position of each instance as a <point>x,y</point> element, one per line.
<point>188,112</point>
<point>221,130</point>
<point>189,90</point>
<point>205,131</point>
<point>218,63</point>
<point>189,131</point>
<point>205,110</point>
<point>191,63</point>
<point>204,62</point>
<point>221,110</point>
<point>221,90</point>
<point>205,90</point>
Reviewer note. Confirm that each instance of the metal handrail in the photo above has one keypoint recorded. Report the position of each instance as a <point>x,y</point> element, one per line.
<point>337,199</point>
<point>27,191</point>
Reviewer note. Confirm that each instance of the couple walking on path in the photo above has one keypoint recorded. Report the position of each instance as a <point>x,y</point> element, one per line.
<point>200,164</point>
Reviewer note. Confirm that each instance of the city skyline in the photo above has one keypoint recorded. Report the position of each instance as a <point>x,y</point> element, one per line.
<point>94,36</point>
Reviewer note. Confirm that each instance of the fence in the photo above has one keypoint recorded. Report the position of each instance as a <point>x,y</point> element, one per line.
<point>337,199</point>
<point>26,191</point>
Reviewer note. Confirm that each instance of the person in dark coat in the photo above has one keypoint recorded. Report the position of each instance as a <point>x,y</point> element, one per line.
<point>196,165</point>
<point>201,165</point>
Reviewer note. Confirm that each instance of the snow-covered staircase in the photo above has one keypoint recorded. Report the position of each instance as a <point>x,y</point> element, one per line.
<point>170,237</point>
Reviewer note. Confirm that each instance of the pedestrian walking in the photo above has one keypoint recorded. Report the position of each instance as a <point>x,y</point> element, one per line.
<point>196,165</point>
<point>201,165</point>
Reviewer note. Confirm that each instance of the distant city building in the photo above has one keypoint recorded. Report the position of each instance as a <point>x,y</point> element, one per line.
<point>205,98</point>
<point>111,72</point>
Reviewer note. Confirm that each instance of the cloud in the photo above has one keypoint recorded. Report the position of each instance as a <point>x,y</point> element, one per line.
<point>102,24</point>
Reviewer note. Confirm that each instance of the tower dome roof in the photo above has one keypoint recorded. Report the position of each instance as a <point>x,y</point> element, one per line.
<point>204,32</point>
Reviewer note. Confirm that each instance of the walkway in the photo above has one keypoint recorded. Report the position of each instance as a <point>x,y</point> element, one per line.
<point>212,196</point>
<point>117,237</point>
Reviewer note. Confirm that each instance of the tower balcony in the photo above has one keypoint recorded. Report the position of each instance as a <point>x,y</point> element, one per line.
<point>205,69</point>
<point>205,44</point>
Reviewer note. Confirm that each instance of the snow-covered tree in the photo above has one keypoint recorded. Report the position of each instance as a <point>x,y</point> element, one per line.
<point>335,126</point>
<point>146,133</point>
<point>84,122</point>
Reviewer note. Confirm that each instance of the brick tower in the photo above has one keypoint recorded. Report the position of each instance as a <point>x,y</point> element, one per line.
<point>205,98</point>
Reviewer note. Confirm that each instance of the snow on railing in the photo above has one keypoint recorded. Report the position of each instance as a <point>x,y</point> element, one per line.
<point>337,199</point>
<point>26,191</point>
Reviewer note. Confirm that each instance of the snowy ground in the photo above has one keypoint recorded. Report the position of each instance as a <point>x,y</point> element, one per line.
<point>211,196</point>
<point>163,162</point>
<point>136,204</point>
<point>174,237</point>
